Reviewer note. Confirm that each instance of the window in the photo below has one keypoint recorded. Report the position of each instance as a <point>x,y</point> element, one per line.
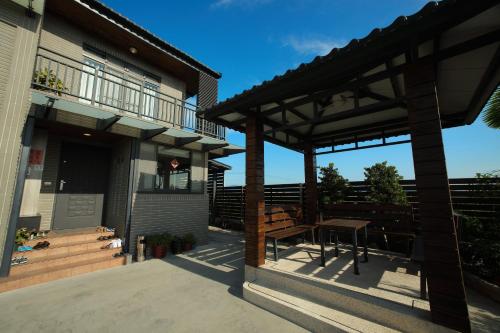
<point>167,169</point>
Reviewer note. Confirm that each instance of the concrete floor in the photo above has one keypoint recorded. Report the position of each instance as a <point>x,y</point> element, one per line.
<point>196,292</point>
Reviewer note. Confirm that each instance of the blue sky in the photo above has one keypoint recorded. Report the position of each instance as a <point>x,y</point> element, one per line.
<point>250,41</point>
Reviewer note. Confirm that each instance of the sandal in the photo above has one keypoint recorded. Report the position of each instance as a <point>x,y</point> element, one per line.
<point>41,245</point>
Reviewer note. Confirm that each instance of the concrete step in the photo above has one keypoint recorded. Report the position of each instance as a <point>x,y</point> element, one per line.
<point>310,315</point>
<point>58,272</point>
<point>393,315</point>
<point>60,260</point>
<point>64,238</point>
<point>63,249</point>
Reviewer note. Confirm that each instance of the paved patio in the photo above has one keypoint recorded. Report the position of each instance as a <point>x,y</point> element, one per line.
<point>197,292</point>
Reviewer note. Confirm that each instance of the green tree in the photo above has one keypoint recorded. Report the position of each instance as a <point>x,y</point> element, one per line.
<point>492,110</point>
<point>333,187</point>
<point>383,184</point>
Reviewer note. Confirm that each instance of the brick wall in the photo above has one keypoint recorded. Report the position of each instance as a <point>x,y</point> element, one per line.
<point>116,205</point>
<point>176,214</point>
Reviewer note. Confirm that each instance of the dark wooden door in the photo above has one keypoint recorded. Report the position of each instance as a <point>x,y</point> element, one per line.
<point>81,187</point>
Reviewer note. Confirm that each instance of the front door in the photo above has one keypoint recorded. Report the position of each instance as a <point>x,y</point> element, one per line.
<point>81,187</point>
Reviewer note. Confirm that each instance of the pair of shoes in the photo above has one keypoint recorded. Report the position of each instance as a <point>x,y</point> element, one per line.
<point>41,245</point>
<point>116,255</point>
<point>115,243</point>
<point>103,238</point>
<point>18,261</point>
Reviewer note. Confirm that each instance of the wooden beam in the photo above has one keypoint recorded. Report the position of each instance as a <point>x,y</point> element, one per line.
<point>310,176</point>
<point>384,144</point>
<point>394,80</point>
<point>293,111</point>
<point>485,87</point>
<point>255,247</point>
<point>447,298</point>
<point>356,112</point>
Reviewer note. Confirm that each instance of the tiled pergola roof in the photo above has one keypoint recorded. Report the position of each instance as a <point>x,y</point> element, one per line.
<point>356,93</point>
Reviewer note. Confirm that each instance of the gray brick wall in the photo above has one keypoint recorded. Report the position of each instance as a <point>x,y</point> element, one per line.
<point>177,214</point>
<point>116,201</point>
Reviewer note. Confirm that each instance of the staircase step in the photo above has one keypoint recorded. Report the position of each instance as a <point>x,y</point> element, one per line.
<point>63,271</point>
<point>312,316</point>
<point>398,316</point>
<point>64,259</point>
<point>63,238</point>
<point>64,249</point>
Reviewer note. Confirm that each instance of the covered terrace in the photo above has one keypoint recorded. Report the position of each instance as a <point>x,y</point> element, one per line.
<point>426,72</point>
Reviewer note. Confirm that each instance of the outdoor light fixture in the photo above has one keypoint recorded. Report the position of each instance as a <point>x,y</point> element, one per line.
<point>87,134</point>
<point>132,50</point>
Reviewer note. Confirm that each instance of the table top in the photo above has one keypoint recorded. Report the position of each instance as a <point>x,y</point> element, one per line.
<point>343,223</point>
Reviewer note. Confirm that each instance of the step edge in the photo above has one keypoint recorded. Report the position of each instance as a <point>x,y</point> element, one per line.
<point>316,309</point>
<point>62,268</point>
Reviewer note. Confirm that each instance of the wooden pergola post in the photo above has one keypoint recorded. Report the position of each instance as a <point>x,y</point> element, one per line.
<point>255,251</point>
<point>311,202</point>
<point>441,257</point>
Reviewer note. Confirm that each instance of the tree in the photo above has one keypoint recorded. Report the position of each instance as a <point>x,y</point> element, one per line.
<point>492,110</point>
<point>333,187</point>
<point>383,184</point>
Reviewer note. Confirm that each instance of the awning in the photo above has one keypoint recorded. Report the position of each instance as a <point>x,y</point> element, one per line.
<point>142,128</point>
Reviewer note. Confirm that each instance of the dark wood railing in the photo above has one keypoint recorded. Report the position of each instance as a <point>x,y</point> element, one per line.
<point>467,197</point>
<point>116,91</point>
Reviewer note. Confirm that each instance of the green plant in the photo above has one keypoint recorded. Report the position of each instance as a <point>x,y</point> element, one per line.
<point>158,240</point>
<point>189,238</point>
<point>48,79</point>
<point>491,114</point>
<point>480,247</point>
<point>22,235</point>
<point>333,187</point>
<point>383,184</point>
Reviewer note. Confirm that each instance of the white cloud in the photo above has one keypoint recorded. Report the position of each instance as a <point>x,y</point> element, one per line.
<point>245,3</point>
<point>316,46</point>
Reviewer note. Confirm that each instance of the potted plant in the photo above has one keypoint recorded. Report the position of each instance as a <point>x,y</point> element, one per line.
<point>176,245</point>
<point>188,242</point>
<point>159,244</point>
<point>22,235</point>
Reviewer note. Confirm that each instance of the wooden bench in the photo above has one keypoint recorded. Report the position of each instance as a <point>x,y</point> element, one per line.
<point>285,221</point>
<point>386,219</point>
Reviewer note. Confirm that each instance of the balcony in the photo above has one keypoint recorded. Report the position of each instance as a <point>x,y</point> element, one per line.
<point>117,91</point>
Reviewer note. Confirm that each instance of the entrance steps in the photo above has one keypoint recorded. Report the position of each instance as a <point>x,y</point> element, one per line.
<point>69,254</point>
<point>322,307</point>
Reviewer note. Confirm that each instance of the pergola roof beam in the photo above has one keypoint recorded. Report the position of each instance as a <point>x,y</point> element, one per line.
<point>356,112</point>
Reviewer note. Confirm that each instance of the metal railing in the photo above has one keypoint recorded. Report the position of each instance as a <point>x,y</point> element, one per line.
<point>108,89</point>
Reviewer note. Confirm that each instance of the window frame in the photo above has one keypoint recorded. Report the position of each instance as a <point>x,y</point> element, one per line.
<point>173,191</point>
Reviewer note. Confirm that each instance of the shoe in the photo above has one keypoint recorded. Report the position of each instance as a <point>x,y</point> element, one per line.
<point>41,245</point>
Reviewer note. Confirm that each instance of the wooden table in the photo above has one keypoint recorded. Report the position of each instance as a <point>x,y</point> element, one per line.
<point>344,225</point>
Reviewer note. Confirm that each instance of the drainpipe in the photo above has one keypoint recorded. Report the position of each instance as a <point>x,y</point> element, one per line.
<point>18,196</point>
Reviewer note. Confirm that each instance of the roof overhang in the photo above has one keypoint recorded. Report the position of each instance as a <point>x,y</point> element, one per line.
<point>357,94</point>
<point>99,20</point>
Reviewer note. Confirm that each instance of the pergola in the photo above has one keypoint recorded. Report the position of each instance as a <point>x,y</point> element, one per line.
<point>432,70</point>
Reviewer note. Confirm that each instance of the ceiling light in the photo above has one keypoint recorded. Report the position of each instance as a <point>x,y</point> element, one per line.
<point>87,134</point>
<point>132,50</point>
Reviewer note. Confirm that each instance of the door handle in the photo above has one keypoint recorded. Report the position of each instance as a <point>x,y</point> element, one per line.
<point>61,185</point>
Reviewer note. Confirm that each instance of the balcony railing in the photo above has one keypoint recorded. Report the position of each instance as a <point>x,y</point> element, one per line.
<point>91,83</point>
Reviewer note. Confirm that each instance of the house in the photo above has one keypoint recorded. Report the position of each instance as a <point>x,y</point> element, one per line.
<point>98,126</point>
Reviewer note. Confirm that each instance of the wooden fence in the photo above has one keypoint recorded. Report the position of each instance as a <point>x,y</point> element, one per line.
<point>468,197</point>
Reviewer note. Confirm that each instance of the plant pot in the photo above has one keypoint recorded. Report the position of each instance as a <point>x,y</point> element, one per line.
<point>187,246</point>
<point>176,247</point>
<point>159,251</point>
